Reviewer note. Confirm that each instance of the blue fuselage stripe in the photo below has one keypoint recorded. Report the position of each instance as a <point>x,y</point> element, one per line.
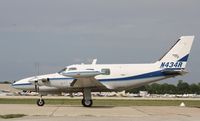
<point>22,84</point>
<point>142,76</point>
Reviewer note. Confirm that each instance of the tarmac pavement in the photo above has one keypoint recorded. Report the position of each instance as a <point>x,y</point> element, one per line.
<point>105,113</point>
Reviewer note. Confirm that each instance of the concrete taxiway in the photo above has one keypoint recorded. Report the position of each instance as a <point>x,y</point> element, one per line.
<point>75,113</point>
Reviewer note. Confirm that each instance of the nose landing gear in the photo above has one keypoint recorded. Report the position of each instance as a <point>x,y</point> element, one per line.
<point>40,102</point>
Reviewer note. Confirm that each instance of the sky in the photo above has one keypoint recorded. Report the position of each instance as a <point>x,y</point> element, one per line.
<point>57,33</point>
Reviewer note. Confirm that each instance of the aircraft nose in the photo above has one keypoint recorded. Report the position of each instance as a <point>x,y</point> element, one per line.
<point>15,83</point>
<point>21,84</point>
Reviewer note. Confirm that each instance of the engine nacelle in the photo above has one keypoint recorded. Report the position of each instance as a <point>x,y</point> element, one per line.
<point>43,82</point>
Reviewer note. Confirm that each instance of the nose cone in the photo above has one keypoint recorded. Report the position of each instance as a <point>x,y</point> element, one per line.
<point>17,84</point>
<point>22,84</point>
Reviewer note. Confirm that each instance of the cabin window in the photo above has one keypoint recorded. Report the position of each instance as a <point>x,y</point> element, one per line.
<point>72,69</point>
<point>105,71</point>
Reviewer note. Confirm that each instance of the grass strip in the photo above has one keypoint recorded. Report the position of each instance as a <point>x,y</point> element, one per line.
<point>8,116</point>
<point>106,102</point>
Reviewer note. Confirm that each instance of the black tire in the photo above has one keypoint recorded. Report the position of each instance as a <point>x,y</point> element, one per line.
<point>87,103</point>
<point>40,102</point>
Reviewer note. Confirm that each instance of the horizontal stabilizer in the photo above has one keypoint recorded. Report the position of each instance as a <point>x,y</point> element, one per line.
<point>174,72</point>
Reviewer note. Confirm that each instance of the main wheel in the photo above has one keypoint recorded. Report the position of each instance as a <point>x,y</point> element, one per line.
<point>40,102</point>
<point>87,103</point>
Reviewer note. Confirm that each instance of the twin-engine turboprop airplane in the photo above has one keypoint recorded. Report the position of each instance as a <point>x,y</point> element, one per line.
<point>94,77</point>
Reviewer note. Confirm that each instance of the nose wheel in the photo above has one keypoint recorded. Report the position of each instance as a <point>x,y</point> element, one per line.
<point>40,102</point>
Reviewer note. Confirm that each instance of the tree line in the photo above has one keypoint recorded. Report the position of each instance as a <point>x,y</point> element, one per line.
<point>181,88</point>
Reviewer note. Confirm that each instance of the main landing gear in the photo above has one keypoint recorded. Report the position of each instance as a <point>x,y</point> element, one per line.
<point>87,98</point>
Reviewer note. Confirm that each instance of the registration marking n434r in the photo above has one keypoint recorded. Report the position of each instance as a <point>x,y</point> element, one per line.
<point>171,64</point>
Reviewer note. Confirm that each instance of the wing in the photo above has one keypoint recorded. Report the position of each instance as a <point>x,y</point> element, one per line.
<point>86,82</point>
<point>84,78</point>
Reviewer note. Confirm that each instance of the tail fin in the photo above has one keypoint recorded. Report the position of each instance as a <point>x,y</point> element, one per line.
<point>178,55</point>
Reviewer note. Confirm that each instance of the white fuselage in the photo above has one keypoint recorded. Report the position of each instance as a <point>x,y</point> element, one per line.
<point>122,76</point>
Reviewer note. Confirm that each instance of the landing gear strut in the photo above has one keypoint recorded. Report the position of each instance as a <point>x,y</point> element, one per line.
<point>87,98</point>
<point>40,102</point>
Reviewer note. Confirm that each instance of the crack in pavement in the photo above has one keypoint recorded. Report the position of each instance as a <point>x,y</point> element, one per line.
<point>53,112</point>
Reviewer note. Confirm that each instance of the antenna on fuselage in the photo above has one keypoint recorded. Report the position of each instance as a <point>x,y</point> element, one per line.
<point>94,62</point>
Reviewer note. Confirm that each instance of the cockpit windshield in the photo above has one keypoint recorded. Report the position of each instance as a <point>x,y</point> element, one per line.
<point>63,70</point>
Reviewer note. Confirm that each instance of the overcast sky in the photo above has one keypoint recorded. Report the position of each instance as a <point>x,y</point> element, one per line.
<point>57,33</point>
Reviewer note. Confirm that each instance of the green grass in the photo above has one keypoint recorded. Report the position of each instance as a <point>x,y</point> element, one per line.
<point>8,116</point>
<point>189,103</point>
<point>106,102</point>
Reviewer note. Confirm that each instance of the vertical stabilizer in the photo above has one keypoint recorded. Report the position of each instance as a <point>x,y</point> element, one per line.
<point>178,55</point>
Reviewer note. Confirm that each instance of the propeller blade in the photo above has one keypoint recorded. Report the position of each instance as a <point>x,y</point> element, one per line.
<point>36,86</point>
